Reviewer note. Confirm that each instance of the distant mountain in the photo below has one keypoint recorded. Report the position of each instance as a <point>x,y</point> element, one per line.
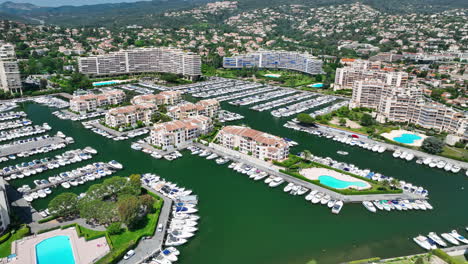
<point>55,3</point>
<point>148,13</point>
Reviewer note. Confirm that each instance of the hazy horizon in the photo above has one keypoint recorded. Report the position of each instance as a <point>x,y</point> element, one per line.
<point>68,2</point>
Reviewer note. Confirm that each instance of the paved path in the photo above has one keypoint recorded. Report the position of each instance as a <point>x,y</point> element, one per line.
<point>390,147</point>
<point>115,132</point>
<point>15,149</point>
<point>272,170</point>
<point>151,246</point>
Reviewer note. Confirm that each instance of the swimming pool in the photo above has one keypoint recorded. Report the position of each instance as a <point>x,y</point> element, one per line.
<point>317,85</point>
<point>271,75</point>
<point>339,184</point>
<point>104,83</point>
<point>55,250</point>
<point>407,138</point>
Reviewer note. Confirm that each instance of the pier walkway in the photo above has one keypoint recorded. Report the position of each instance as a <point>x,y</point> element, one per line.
<point>150,246</point>
<point>390,147</point>
<point>15,149</point>
<point>274,171</point>
<point>113,132</point>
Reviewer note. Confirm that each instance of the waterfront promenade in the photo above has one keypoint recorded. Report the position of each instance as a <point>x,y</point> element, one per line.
<point>114,132</point>
<point>274,170</point>
<point>390,147</point>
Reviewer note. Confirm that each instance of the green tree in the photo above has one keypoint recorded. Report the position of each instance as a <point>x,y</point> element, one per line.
<point>305,119</point>
<point>367,120</point>
<point>419,260</point>
<point>307,154</point>
<point>128,208</point>
<point>342,122</point>
<point>432,145</point>
<point>64,204</point>
<point>147,202</point>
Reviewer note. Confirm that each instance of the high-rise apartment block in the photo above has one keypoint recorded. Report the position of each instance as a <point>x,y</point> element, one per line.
<point>10,78</point>
<point>302,62</point>
<point>141,60</point>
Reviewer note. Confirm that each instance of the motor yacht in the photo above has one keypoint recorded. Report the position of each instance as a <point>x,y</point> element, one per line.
<point>337,207</point>
<point>437,239</point>
<point>459,237</point>
<point>450,238</point>
<point>423,242</point>
<point>369,206</point>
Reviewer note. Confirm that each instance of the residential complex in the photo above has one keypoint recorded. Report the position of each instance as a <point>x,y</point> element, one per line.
<point>162,98</point>
<point>259,144</point>
<point>208,108</point>
<point>130,115</point>
<point>142,60</point>
<point>302,62</point>
<point>4,208</point>
<point>407,104</point>
<point>178,132</point>
<point>358,70</point>
<point>10,79</point>
<point>90,102</point>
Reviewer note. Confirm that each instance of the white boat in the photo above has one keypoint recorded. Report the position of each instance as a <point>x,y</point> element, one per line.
<point>437,239</point>
<point>459,237</point>
<point>276,181</point>
<point>423,242</point>
<point>212,156</point>
<point>397,153</point>
<point>337,207</point>
<point>115,164</point>
<point>378,205</point>
<point>325,199</point>
<point>169,255</point>
<point>65,185</point>
<point>369,206</point>
<point>455,169</point>
<point>344,153</point>
<point>410,156</point>
<point>160,259</point>
<point>331,203</point>
<point>316,199</point>
<point>450,238</point>
<point>310,195</point>
<point>288,187</point>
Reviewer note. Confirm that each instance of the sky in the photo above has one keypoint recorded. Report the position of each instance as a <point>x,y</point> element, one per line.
<point>67,2</point>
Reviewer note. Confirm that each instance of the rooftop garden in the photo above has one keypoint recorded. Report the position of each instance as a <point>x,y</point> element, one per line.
<point>294,164</point>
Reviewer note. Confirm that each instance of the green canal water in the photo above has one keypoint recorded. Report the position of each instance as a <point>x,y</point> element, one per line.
<point>247,222</point>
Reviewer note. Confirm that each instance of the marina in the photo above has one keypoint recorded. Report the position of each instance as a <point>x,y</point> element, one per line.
<point>15,124</point>
<point>282,101</point>
<point>301,106</point>
<point>24,132</point>
<point>228,185</point>
<point>262,97</point>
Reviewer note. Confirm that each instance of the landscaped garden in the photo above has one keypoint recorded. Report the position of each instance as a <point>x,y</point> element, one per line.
<point>128,212</point>
<point>294,164</point>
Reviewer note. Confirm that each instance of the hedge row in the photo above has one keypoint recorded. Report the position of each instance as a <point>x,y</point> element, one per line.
<point>47,219</point>
<point>48,229</point>
<point>363,261</point>
<point>5,237</point>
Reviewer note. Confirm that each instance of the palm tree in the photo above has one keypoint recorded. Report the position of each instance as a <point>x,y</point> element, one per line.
<point>307,154</point>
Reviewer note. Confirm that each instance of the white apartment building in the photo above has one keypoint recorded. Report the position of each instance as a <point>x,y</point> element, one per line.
<point>91,102</point>
<point>259,144</point>
<point>4,208</point>
<point>407,105</point>
<point>302,62</point>
<point>10,78</point>
<point>162,98</point>
<point>360,70</point>
<point>130,115</point>
<point>209,108</point>
<point>178,132</point>
<point>141,60</point>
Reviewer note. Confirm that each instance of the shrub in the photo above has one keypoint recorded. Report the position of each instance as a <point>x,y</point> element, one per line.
<point>445,257</point>
<point>114,228</point>
<point>432,145</point>
<point>5,237</point>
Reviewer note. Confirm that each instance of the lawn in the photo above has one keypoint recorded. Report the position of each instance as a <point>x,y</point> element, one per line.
<point>128,239</point>
<point>455,153</point>
<point>5,247</point>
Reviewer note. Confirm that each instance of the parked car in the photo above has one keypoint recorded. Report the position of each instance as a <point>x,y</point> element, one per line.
<point>129,254</point>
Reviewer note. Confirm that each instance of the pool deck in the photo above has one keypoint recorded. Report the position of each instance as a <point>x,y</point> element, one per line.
<point>315,173</point>
<point>84,251</point>
<point>397,133</point>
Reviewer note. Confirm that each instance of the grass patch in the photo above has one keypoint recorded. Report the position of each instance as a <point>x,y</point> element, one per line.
<point>455,153</point>
<point>128,239</point>
<point>5,247</point>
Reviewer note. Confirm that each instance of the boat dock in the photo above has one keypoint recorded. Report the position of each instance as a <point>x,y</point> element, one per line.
<point>83,172</point>
<point>113,132</point>
<point>274,171</point>
<point>390,147</point>
<point>28,146</point>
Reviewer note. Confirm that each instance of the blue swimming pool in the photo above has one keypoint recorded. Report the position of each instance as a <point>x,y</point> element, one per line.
<point>55,250</point>
<point>407,138</point>
<point>104,83</point>
<point>317,85</point>
<point>339,184</point>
